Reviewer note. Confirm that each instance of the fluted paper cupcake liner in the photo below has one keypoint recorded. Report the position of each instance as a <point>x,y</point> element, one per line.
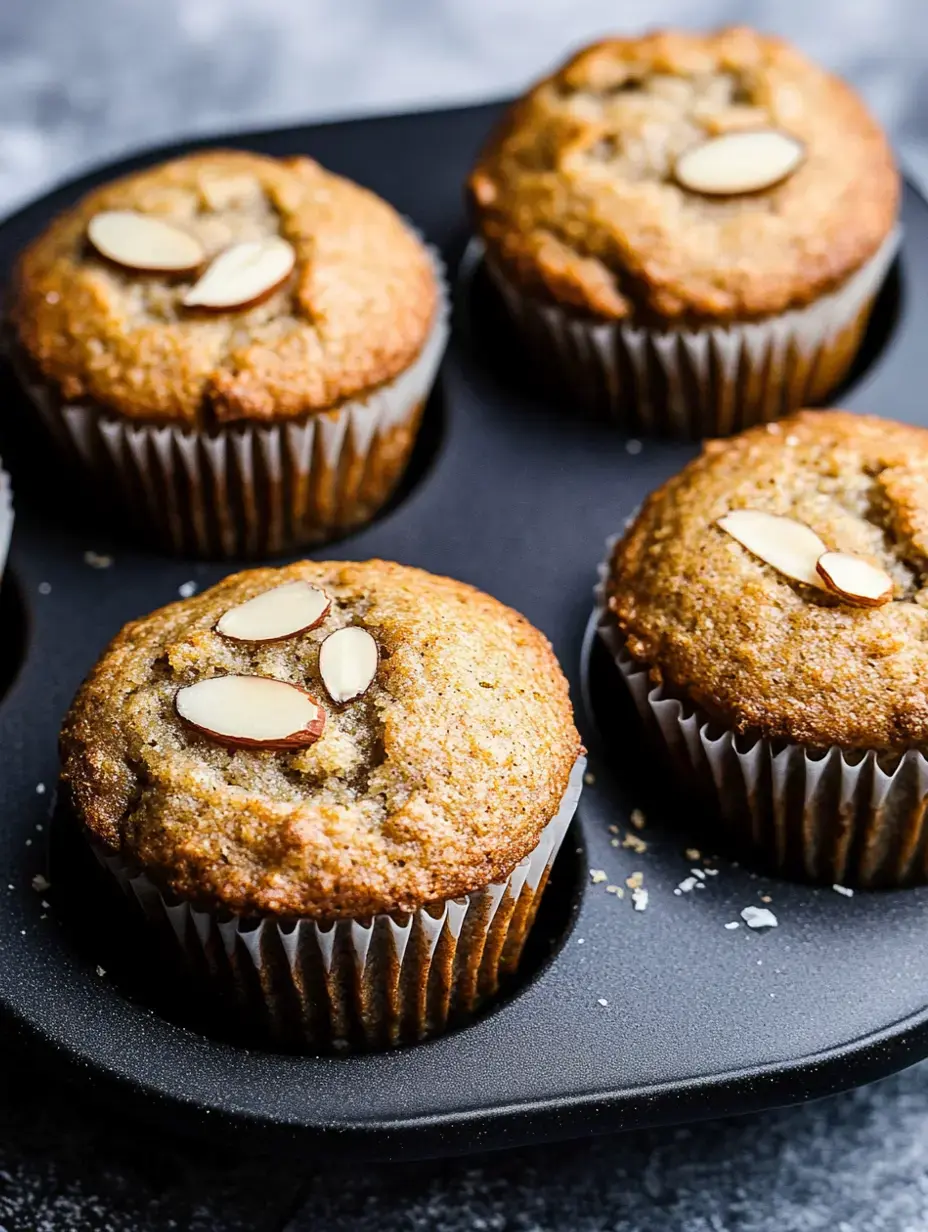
<point>6,517</point>
<point>709,382</point>
<point>248,490</point>
<point>831,816</point>
<point>378,982</point>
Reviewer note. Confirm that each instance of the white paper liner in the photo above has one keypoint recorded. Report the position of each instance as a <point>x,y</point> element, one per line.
<point>709,382</point>
<point>247,490</point>
<point>6,518</point>
<point>363,983</point>
<point>836,817</point>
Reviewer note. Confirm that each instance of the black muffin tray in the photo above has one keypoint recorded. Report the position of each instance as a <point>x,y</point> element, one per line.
<point>620,1018</point>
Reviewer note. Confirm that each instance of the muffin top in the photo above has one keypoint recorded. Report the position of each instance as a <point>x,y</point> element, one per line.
<point>435,782</point>
<point>758,650</point>
<point>353,313</point>
<point>577,199</point>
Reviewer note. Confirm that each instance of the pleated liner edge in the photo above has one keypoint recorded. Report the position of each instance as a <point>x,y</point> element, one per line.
<point>359,983</point>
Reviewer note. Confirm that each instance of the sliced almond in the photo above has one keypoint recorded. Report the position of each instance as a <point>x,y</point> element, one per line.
<point>742,162</point>
<point>348,663</point>
<point>251,712</point>
<point>243,274</point>
<point>144,243</point>
<point>791,547</point>
<point>855,579</point>
<point>275,615</point>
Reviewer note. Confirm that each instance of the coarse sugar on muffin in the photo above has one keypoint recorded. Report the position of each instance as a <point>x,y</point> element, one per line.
<point>444,779</point>
<point>810,702</point>
<point>645,284</point>
<point>298,406</point>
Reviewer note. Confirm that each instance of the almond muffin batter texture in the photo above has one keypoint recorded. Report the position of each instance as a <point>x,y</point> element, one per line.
<point>437,781</point>
<point>576,199</point>
<point>355,313</point>
<point>762,653</point>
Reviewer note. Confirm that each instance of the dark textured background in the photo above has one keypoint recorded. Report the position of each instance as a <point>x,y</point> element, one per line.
<point>84,82</point>
<point>853,1163</point>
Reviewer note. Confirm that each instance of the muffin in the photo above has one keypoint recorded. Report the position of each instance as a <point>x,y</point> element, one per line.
<point>689,230</point>
<point>238,348</point>
<point>342,786</point>
<point>768,609</point>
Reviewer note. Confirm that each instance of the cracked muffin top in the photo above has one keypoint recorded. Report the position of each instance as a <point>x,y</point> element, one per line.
<point>577,199</point>
<point>435,782</point>
<point>353,314</point>
<point>756,649</point>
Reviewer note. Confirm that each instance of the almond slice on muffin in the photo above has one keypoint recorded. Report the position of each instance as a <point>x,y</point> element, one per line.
<point>379,794</point>
<point>799,712</point>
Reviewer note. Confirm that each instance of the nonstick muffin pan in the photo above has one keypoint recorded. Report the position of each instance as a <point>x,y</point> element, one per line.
<point>620,1017</point>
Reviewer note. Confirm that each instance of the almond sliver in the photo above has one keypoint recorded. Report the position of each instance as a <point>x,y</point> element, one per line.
<point>348,663</point>
<point>251,712</point>
<point>790,547</point>
<point>740,162</point>
<point>854,579</point>
<point>276,614</point>
<point>143,243</point>
<point>243,274</point>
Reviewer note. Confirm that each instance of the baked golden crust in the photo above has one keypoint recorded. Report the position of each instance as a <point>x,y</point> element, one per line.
<point>758,651</point>
<point>436,782</point>
<point>575,198</point>
<point>353,315</point>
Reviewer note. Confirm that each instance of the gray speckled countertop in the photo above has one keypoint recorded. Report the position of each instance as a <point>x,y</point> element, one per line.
<point>84,82</point>
<point>81,83</point>
<point>852,1163</point>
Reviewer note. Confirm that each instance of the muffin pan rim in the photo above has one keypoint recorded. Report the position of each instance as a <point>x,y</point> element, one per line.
<point>498,1117</point>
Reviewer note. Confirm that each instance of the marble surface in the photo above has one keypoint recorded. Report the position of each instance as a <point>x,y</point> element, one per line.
<point>81,83</point>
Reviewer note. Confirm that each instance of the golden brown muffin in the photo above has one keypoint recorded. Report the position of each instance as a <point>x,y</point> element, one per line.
<point>369,879</point>
<point>768,609</point>
<point>575,194</point>
<point>757,649</point>
<point>657,298</point>
<point>353,315</point>
<point>437,781</point>
<point>250,422</point>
